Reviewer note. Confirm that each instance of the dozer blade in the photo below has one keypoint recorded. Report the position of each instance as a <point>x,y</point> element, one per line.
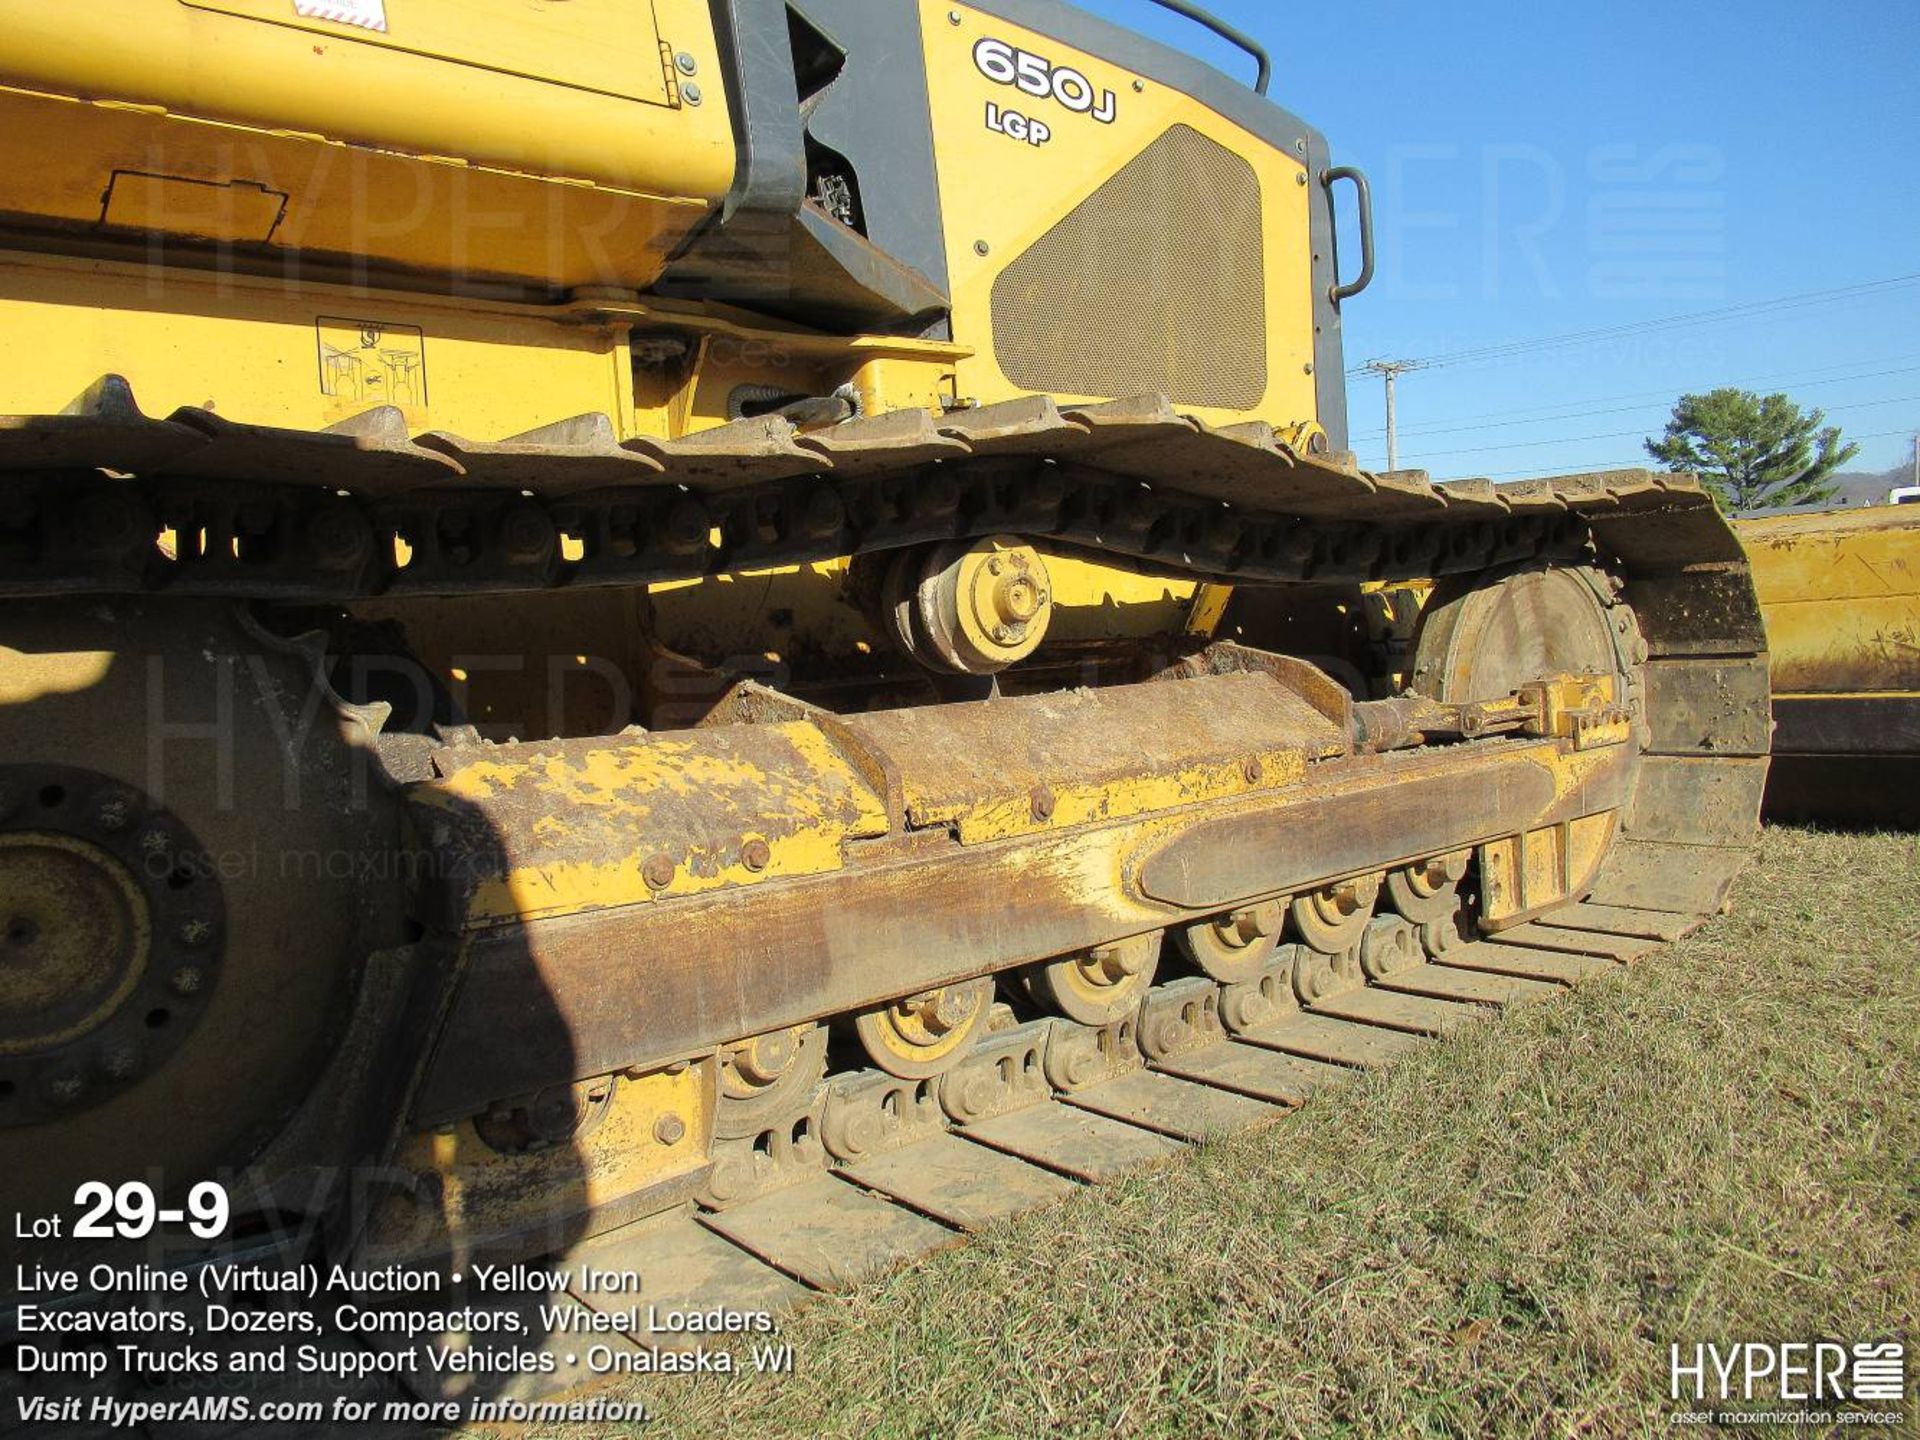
<point>1840,590</point>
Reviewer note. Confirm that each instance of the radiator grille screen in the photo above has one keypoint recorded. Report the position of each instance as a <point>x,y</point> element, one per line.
<point>1152,284</point>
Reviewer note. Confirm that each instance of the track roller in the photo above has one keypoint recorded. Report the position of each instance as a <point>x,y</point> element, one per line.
<point>968,609</point>
<point>1428,889</point>
<point>1100,985</point>
<point>922,1035</point>
<point>1234,947</point>
<point>1332,920</point>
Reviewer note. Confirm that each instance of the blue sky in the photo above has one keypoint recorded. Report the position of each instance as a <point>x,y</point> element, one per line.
<point>1545,170</point>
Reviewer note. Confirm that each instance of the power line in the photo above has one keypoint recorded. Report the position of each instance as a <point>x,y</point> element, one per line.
<point>1543,417</point>
<point>1627,434</point>
<point>1507,349</point>
<point>1582,467</point>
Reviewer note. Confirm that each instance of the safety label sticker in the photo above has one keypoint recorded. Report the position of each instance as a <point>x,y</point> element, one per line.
<point>367,14</point>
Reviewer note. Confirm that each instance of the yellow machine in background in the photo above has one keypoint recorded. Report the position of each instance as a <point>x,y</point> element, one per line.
<point>1841,593</point>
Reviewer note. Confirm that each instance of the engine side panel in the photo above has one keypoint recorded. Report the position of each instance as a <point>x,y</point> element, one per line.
<point>1097,190</point>
<point>555,144</point>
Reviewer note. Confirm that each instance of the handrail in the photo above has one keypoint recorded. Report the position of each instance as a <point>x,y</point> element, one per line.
<point>1227,33</point>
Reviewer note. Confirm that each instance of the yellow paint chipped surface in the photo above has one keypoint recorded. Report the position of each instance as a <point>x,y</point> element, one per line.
<point>1145,794</point>
<point>577,826</point>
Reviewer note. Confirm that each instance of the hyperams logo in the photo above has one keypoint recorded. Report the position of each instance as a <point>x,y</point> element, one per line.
<point>1859,1384</point>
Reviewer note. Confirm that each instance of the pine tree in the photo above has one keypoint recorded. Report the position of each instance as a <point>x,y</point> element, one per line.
<point>1753,452</point>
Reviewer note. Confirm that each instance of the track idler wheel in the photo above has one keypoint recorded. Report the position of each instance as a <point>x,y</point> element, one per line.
<point>1097,986</point>
<point>768,1079</point>
<point>927,1034</point>
<point>1234,947</point>
<point>1428,889</point>
<point>1332,920</point>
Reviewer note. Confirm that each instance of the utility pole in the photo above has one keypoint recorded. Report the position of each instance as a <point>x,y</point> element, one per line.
<point>1391,370</point>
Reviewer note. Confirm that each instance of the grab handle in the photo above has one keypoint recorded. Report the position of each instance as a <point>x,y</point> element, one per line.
<point>1363,194</point>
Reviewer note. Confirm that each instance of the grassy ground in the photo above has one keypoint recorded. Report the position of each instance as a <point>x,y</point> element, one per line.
<point>1499,1236</point>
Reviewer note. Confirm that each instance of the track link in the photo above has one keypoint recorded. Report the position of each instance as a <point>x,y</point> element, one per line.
<point>363,509</point>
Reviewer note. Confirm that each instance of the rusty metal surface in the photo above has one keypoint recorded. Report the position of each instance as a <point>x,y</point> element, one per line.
<point>1172,1106</point>
<point>1044,762</point>
<point>1251,1070</point>
<point>539,999</point>
<point>682,1265</point>
<point>1652,875</point>
<point>1075,1143</point>
<point>762,949</point>
<point>1298,677</point>
<point>373,447</point>
<point>582,453</point>
<point>1544,935</point>
<point>1337,1042</point>
<point>1390,809</point>
<point>1005,1071</point>
<point>1554,967</point>
<point>1702,610</point>
<point>881,444</point>
<point>521,831</point>
<point>830,1234</point>
<point>104,428</point>
<point>1715,706</point>
<point>1441,982</point>
<point>1080,1056</point>
<point>966,1186</point>
<point>1179,1017</point>
<point>363,509</point>
<point>1616,920</point>
<point>1696,800</point>
<point>872,1113</point>
<point>1415,1014</point>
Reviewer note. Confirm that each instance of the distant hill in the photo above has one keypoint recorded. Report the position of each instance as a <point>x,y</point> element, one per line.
<point>1853,488</point>
<point>1856,487</point>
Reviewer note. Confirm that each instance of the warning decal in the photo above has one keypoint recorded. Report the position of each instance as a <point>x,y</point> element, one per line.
<point>367,14</point>
<point>364,363</point>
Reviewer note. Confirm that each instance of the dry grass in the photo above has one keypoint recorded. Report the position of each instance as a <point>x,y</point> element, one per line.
<point>1499,1236</point>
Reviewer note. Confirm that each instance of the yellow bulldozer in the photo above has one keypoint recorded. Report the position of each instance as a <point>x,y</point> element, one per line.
<point>756,613</point>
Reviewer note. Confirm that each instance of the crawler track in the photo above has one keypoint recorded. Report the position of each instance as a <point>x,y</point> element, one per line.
<point>883,1170</point>
<point>930,1181</point>
<point>830,1225</point>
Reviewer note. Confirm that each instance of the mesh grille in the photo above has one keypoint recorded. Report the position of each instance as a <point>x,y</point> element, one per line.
<point>1152,284</point>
